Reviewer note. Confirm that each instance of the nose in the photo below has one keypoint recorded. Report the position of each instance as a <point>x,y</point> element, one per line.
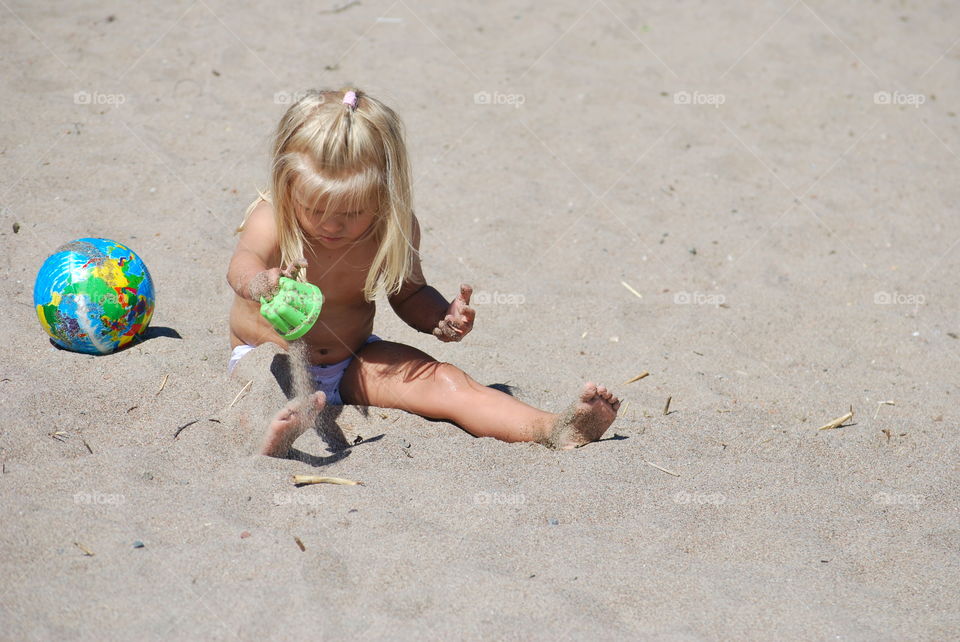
<point>331,227</point>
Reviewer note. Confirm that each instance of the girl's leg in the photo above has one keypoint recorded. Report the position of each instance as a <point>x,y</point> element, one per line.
<point>393,375</point>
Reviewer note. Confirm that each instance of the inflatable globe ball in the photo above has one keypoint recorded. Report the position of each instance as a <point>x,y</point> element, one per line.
<point>94,296</point>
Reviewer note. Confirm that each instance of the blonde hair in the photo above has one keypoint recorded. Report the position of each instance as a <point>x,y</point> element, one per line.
<point>355,157</point>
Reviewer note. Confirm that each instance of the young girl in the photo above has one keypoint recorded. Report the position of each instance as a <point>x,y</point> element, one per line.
<point>339,215</point>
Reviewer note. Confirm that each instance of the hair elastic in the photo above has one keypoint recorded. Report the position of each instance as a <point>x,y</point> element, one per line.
<point>350,98</point>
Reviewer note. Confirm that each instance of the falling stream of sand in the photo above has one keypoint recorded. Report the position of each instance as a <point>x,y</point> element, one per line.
<point>302,387</point>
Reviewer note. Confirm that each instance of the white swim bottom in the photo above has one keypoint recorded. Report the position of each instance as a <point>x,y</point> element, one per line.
<point>326,377</point>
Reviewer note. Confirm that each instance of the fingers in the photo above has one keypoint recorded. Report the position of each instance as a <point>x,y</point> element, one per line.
<point>445,334</point>
<point>294,268</point>
<point>449,327</point>
<point>466,291</point>
<point>447,330</point>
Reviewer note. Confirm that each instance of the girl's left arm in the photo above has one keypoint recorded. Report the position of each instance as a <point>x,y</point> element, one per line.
<point>423,308</point>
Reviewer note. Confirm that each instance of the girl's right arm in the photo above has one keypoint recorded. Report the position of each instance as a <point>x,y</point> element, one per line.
<point>250,274</point>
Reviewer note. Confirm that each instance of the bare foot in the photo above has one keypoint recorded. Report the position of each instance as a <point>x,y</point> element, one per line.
<point>586,419</point>
<point>291,422</point>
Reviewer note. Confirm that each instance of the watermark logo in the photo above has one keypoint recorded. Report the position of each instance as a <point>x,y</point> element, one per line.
<point>504,499</point>
<point>497,98</point>
<point>497,298</point>
<point>96,497</point>
<point>698,298</point>
<point>297,499</point>
<point>898,499</point>
<point>96,98</point>
<point>111,298</point>
<point>714,499</point>
<point>898,98</point>
<point>898,298</point>
<point>699,98</point>
<point>290,97</point>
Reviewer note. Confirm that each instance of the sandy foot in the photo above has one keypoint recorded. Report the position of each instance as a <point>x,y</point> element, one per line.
<point>290,423</point>
<point>586,419</point>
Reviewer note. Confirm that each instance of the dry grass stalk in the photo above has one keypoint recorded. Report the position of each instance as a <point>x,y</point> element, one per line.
<point>300,480</point>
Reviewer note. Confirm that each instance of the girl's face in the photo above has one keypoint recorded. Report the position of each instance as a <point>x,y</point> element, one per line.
<point>339,228</point>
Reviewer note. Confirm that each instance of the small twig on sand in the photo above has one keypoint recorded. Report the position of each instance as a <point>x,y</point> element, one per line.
<point>86,551</point>
<point>883,403</point>
<point>89,449</point>
<point>59,435</point>
<point>301,480</point>
<point>299,543</point>
<point>629,287</point>
<point>163,383</point>
<point>184,426</point>
<point>637,378</point>
<point>661,468</point>
<point>666,408</point>
<point>838,422</point>
<point>240,394</point>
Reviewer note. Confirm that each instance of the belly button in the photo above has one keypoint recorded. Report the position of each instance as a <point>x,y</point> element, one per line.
<point>324,351</point>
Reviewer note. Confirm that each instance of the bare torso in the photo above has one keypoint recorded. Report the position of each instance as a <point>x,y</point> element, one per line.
<point>346,319</point>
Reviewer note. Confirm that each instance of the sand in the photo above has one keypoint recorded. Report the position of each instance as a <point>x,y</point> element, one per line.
<point>756,203</point>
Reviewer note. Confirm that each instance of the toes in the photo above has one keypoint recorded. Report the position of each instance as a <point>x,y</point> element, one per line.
<point>589,391</point>
<point>319,399</point>
<point>607,395</point>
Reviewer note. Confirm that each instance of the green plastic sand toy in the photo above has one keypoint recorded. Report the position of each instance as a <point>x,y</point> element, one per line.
<point>293,308</point>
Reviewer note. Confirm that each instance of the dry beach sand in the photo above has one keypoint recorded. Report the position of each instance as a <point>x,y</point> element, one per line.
<point>755,202</point>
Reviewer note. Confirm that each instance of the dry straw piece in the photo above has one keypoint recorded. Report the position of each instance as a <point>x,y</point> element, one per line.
<point>661,468</point>
<point>240,394</point>
<point>86,551</point>
<point>300,480</point>
<point>629,287</point>
<point>838,422</point>
<point>637,378</point>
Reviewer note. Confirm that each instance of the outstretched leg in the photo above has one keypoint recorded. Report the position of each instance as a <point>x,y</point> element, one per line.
<point>393,375</point>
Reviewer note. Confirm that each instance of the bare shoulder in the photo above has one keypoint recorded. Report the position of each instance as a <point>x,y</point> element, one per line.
<point>259,232</point>
<point>262,218</point>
